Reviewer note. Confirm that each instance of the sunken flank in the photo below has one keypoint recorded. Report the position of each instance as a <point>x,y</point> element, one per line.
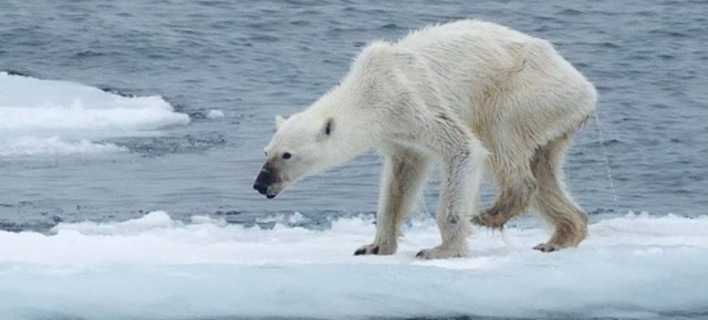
<point>473,95</point>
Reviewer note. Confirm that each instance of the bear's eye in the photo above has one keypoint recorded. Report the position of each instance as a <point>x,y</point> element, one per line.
<point>287,155</point>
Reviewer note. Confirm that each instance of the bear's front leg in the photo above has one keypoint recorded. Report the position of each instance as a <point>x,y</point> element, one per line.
<point>461,179</point>
<point>402,180</point>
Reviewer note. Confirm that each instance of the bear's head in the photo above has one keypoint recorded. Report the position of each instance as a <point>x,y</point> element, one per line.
<point>302,146</point>
<point>340,125</point>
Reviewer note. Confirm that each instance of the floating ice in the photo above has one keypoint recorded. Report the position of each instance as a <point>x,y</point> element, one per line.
<point>216,114</point>
<point>60,117</point>
<point>54,146</point>
<point>156,267</point>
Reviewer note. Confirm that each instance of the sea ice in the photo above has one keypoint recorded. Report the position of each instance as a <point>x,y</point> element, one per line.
<point>156,267</point>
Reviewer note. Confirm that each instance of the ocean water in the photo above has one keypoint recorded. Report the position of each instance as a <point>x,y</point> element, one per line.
<point>131,132</point>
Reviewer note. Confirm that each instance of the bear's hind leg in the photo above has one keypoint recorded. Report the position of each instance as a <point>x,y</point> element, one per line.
<point>516,185</point>
<point>551,200</point>
<point>403,178</point>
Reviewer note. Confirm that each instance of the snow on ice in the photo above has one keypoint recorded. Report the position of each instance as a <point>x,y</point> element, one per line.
<point>156,267</point>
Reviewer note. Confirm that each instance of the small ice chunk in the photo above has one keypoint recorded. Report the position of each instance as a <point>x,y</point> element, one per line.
<point>215,114</point>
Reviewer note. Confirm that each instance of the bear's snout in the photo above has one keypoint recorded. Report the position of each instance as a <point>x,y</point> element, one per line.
<point>265,181</point>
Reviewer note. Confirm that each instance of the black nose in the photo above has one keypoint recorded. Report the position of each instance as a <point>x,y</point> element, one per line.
<point>262,188</point>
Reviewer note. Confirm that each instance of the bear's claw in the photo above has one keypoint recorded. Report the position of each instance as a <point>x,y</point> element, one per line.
<point>377,249</point>
<point>366,250</point>
<point>547,247</point>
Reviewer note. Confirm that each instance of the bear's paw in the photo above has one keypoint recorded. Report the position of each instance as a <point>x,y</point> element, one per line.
<point>376,249</point>
<point>490,219</point>
<point>441,252</point>
<point>547,247</point>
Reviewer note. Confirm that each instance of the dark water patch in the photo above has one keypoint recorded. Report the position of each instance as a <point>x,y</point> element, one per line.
<point>88,54</point>
<point>570,12</point>
<point>12,227</point>
<point>392,26</point>
<point>198,115</point>
<point>264,38</point>
<point>124,14</point>
<point>542,28</point>
<point>600,211</point>
<point>227,213</point>
<point>668,32</point>
<point>610,45</point>
<point>116,91</point>
<point>18,73</point>
<point>300,23</point>
<point>263,25</point>
<point>41,226</point>
<point>582,65</point>
<point>611,142</point>
<point>647,13</point>
<point>161,146</point>
<point>603,88</point>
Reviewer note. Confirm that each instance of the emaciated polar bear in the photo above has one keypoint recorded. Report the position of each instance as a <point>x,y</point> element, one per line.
<point>468,93</point>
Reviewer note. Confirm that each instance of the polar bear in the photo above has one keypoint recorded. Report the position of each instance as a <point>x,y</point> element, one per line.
<point>473,95</point>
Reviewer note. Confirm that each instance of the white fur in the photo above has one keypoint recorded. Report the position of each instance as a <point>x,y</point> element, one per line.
<point>456,92</point>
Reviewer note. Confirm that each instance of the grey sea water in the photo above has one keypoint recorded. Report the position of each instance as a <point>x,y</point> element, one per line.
<point>255,59</point>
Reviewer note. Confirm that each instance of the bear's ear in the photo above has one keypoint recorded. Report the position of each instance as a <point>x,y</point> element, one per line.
<point>329,127</point>
<point>279,121</point>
